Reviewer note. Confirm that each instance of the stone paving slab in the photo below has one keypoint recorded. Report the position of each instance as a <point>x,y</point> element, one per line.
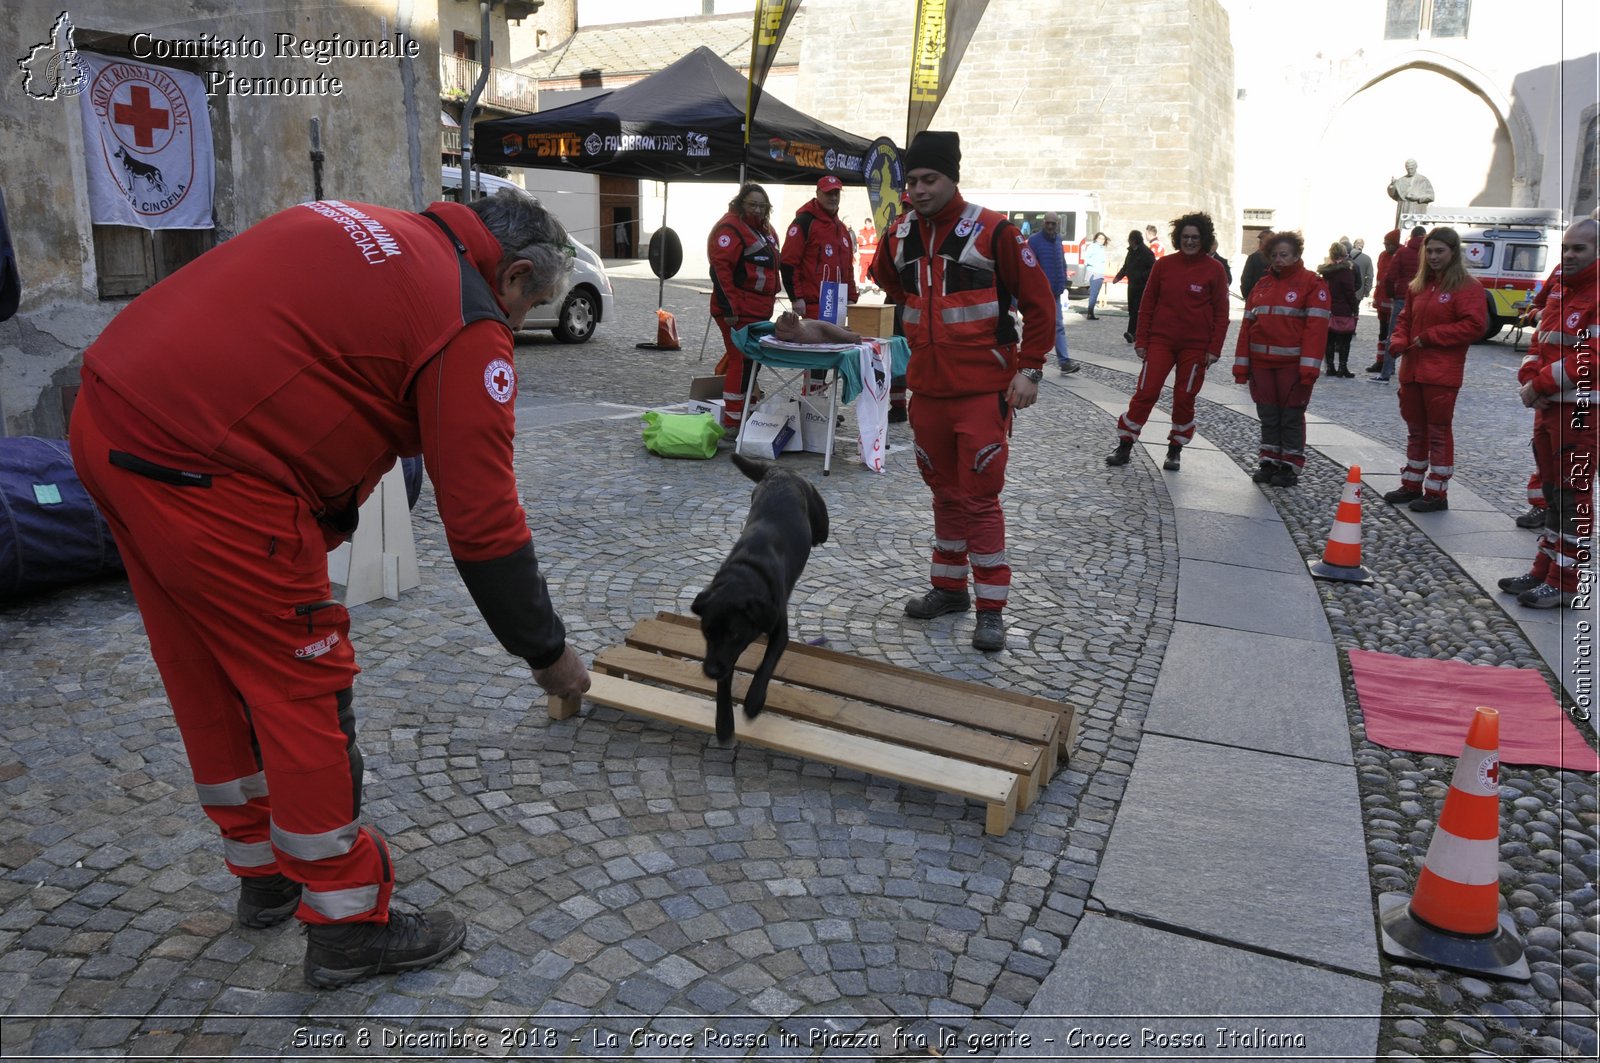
<point>1205,535</point>
<point>1190,850</point>
<point>1120,979</point>
<point>1253,691</point>
<point>1248,599</point>
<point>1220,492</point>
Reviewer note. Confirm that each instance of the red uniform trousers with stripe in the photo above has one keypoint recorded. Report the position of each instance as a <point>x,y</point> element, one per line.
<point>1281,398</point>
<point>962,448</point>
<point>1569,440</point>
<point>1429,411</point>
<point>231,581</point>
<point>732,378</point>
<point>1161,358</point>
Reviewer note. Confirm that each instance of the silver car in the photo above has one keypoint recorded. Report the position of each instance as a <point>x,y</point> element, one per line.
<point>573,315</point>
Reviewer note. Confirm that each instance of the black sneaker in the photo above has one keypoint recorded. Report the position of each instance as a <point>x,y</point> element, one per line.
<point>938,602</point>
<point>1174,457</point>
<point>267,901</point>
<point>344,952</point>
<point>1264,475</point>
<point>1545,596</point>
<point>1430,504</point>
<point>1518,584</point>
<point>990,634</point>
<point>1402,496</point>
<point>1069,368</point>
<point>1534,518</point>
<point>1122,455</point>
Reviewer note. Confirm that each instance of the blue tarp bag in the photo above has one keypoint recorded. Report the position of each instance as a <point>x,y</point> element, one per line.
<point>51,532</point>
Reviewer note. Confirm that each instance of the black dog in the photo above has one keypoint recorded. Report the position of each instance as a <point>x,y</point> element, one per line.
<point>749,595</point>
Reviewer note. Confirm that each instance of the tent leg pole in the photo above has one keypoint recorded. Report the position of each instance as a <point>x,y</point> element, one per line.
<point>661,283</point>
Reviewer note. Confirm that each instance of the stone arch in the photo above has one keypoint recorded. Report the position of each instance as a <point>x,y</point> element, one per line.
<point>1526,159</point>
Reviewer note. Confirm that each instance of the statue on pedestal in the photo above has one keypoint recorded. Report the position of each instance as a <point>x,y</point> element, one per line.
<point>1411,193</point>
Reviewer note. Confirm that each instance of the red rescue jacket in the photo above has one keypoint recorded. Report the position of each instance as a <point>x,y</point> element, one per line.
<point>1285,321</point>
<point>1540,353</point>
<point>1185,304</point>
<point>817,242</point>
<point>956,274</point>
<point>1568,366</point>
<point>744,271</point>
<point>1447,323</point>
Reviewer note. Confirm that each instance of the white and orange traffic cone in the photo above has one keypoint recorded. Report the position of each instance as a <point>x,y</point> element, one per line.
<point>1453,918</point>
<point>1341,560</point>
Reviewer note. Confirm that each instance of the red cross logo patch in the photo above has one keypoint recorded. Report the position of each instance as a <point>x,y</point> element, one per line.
<point>500,380</point>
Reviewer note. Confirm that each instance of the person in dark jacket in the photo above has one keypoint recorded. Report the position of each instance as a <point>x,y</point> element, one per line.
<point>1340,274</point>
<point>1255,265</point>
<point>1136,267</point>
<point>1403,270</point>
<point>1046,247</point>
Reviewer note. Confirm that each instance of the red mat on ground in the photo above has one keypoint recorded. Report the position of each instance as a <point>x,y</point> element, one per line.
<point>1425,706</point>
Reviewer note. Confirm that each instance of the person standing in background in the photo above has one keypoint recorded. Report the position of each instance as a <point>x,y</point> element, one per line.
<point>1094,267</point>
<point>1136,266</point>
<point>1380,295</point>
<point>1339,274</point>
<point>1152,240</point>
<point>1046,247</point>
<point>1255,265</point>
<point>742,250</point>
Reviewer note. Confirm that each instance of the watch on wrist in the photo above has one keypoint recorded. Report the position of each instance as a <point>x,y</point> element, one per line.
<point>1034,375</point>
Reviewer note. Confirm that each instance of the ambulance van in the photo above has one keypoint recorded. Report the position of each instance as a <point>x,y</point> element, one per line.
<point>1508,250</point>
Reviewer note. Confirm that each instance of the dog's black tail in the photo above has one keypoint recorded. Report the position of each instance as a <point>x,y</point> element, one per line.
<point>755,468</point>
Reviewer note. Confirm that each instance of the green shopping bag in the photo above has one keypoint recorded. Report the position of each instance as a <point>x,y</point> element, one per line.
<point>682,435</point>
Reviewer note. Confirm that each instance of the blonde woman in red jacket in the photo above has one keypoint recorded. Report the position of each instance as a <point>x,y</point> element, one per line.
<point>1279,354</point>
<point>1443,313</point>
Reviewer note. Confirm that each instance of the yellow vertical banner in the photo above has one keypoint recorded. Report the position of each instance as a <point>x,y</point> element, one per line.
<point>772,22</point>
<point>941,32</point>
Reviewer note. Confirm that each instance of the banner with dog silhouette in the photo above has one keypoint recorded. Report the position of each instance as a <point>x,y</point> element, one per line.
<point>147,145</point>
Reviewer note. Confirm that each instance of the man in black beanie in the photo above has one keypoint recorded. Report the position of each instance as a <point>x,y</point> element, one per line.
<point>955,268</point>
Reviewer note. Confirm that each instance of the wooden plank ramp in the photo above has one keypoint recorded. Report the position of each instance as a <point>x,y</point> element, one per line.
<point>965,739</point>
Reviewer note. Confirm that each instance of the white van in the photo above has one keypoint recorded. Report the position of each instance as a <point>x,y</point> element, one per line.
<point>572,317</point>
<point>1508,250</point>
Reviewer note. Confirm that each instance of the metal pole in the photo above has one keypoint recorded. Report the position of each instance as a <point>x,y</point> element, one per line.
<point>661,282</point>
<point>316,158</point>
<point>486,42</point>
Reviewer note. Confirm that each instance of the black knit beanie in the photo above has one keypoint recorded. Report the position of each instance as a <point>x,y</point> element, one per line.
<point>935,150</point>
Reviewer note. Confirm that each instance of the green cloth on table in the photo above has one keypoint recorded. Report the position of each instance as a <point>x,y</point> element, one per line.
<point>845,357</point>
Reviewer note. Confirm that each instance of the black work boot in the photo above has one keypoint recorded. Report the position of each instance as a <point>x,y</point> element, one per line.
<point>267,900</point>
<point>938,602</point>
<point>342,953</point>
<point>1122,455</point>
<point>1174,456</point>
<point>1264,475</point>
<point>990,634</point>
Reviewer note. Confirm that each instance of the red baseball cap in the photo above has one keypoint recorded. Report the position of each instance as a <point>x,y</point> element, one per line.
<point>829,183</point>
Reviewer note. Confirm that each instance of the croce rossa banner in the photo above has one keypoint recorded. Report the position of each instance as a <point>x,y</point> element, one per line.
<point>147,145</point>
<point>942,29</point>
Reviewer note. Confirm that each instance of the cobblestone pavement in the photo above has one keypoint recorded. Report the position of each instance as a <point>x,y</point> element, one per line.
<point>623,876</point>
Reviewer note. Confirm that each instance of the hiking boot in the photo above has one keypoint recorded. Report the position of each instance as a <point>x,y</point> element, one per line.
<point>1375,367</point>
<point>938,602</point>
<point>267,900</point>
<point>339,954</point>
<point>1285,476</point>
<point>1534,518</point>
<point>1402,496</point>
<point>1068,368</point>
<point>990,634</point>
<point>1122,455</point>
<point>897,414</point>
<point>1518,584</point>
<point>1545,596</point>
<point>1174,457</point>
<point>1430,504</point>
<point>1264,475</point>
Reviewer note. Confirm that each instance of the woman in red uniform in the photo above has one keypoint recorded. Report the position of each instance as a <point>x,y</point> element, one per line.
<point>743,252</point>
<point>1442,314</point>
<point>1279,354</point>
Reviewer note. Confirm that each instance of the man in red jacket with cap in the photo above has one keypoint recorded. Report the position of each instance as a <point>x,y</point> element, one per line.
<point>954,267</point>
<point>818,246</point>
<point>231,421</point>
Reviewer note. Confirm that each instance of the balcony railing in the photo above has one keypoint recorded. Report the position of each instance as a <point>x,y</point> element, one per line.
<point>506,90</point>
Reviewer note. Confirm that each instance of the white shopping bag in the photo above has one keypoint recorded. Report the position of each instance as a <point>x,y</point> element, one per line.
<point>872,405</point>
<point>770,428</point>
<point>834,297</point>
<point>814,423</point>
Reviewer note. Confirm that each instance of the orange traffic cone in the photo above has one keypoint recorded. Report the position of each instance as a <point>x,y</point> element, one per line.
<point>1341,560</point>
<point>1453,919</point>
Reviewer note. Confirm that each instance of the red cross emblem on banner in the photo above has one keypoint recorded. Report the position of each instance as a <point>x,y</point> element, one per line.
<point>143,117</point>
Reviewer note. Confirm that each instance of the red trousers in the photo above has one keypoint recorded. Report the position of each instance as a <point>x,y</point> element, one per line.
<point>1160,359</point>
<point>732,378</point>
<point>1281,399</point>
<point>232,584</point>
<point>962,447</point>
<point>1568,444</point>
<point>1429,411</point>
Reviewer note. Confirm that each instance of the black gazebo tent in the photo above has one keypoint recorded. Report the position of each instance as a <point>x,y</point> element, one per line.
<point>682,123</point>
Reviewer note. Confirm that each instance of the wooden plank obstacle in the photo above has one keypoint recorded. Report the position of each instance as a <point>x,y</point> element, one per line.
<point>993,746</point>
